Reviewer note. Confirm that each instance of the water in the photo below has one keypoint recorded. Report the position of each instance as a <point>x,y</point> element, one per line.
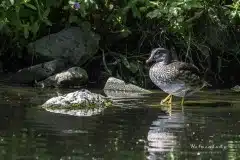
<point>208,127</point>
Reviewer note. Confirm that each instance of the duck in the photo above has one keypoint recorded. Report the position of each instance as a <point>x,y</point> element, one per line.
<point>179,79</point>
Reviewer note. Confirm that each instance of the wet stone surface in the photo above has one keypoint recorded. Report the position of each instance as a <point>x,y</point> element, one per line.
<point>78,103</point>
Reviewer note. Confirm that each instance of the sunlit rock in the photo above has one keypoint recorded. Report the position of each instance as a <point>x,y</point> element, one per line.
<point>236,88</point>
<point>115,87</point>
<point>72,77</point>
<point>78,103</point>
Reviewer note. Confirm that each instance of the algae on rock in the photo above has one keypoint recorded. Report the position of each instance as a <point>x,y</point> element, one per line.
<point>79,103</point>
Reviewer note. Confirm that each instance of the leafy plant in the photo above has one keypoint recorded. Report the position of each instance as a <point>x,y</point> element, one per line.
<point>195,30</point>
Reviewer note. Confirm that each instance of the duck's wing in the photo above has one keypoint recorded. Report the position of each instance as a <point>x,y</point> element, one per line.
<point>187,73</point>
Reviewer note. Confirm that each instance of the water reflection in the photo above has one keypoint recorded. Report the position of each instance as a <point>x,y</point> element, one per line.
<point>132,130</point>
<point>161,137</point>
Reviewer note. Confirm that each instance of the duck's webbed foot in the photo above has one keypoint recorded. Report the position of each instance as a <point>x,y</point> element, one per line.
<point>167,100</point>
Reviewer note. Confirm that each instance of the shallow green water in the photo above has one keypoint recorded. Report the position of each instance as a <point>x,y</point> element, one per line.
<point>136,128</point>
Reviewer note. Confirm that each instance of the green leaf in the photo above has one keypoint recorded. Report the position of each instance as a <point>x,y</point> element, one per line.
<point>154,14</point>
<point>134,67</point>
<point>125,62</point>
<point>17,9</point>
<point>12,2</point>
<point>47,22</point>
<point>26,32</point>
<point>135,11</point>
<point>46,13</point>
<point>35,28</point>
<point>143,9</point>
<point>30,6</point>
<point>11,16</point>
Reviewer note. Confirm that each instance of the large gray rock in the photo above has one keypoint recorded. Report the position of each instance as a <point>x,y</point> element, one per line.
<point>119,85</point>
<point>78,103</point>
<point>38,72</point>
<point>73,77</point>
<point>75,44</point>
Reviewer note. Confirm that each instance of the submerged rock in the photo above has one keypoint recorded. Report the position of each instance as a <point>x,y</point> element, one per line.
<point>38,72</point>
<point>74,44</point>
<point>119,85</point>
<point>73,77</point>
<point>78,103</point>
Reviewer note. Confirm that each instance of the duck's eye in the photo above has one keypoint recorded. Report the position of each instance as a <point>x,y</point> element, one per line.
<point>156,56</point>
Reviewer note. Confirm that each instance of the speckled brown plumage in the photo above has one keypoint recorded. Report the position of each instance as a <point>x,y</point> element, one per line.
<point>176,78</point>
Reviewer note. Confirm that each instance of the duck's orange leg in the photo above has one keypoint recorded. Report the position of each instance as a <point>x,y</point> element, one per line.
<point>182,102</point>
<point>167,100</point>
<point>170,100</point>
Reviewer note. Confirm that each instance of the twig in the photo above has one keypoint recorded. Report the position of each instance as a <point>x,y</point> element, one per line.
<point>189,45</point>
<point>104,62</point>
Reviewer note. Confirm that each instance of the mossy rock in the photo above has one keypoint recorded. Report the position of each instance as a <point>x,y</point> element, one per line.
<point>78,103</point>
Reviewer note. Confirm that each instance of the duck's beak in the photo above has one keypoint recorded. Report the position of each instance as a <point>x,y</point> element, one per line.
<point>149,60</point>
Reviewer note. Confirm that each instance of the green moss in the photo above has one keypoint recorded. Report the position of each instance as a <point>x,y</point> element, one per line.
<point>108,103</point>
<point>85,105</point>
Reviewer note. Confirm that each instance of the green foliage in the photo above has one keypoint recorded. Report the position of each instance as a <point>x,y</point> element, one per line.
<point>195,28</point>
<point>24,17</point>
<point>129,68</point>
<point>130,28</point>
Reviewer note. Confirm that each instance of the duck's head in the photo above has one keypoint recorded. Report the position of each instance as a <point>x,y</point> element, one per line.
<point>159,55</point>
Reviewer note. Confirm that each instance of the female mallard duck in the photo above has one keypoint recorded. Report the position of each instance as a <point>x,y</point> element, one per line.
<point>176,78</point>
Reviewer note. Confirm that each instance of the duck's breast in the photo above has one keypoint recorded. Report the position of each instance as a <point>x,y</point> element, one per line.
<point>160,76</point>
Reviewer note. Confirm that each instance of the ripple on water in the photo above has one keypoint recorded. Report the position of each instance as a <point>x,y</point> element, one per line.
<point>131,130</point>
